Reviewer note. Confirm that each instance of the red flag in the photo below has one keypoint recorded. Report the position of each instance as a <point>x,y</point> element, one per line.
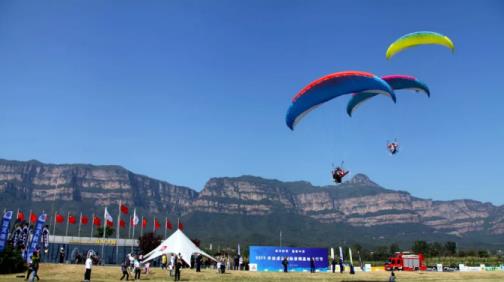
<point>156,224</point>
<point>20,216</point>
<point>144,222</point>
<point>84,220</point>
<point>110,223</point>
<point>180,225</point>
<point>169,225</point>
<point>96,221</point>
<point>72,219</point>
<point>33,217</point>
<point>124,209</point>
<point>59,218</point>
<point>122,223</point>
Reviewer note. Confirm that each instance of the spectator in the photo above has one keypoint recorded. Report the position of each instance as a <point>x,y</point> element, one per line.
<point>312,265</point>
<point>392,277</point>
<point>61,255</point>
<point>198,263</point>
<point>146,267</point>
<point>124,270</point>
<point>136,265</point>
<point>285,264</point>
<point>172,264</point>
<point>88,266</point>
<point>178,266</point>
<point>236,262</point>
<point>34,266</point>
<point>164,262</point>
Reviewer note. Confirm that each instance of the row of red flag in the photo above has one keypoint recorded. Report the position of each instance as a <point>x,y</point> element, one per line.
<point>84,219</point>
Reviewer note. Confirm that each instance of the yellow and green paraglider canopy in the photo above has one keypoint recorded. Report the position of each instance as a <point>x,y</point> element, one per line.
<point>418,38</point>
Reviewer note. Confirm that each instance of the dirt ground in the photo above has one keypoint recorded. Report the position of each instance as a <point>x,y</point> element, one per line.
<point>65,272</point>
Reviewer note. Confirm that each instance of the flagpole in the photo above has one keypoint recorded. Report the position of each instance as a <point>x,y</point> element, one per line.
<point>118,230</point>
<point>92,225</point>
<point>141,227</point>
<point>165,223</point>
<point>80,220</point>
<point>134,227</point>
<point>118,219</point>
<point>17,214</point>
<point>154,226</point>
<point>68,219</point>
<point>54,227</point>
<point>129,227</point>
<point>129,231</point>
<point>104,231</point>
<point>29,218</point>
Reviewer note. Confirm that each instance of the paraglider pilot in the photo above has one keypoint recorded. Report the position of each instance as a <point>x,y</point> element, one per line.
<point>338,174</point>
<point>393,147</point>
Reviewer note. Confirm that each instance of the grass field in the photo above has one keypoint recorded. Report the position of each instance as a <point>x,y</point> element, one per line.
<point>56,272</point>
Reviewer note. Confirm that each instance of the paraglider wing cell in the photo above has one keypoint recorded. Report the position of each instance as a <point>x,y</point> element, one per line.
<point>418,38</point>
<point>330,87</point>
<point>402,82</point>
<point>357,100</point>
<point>396,82</point>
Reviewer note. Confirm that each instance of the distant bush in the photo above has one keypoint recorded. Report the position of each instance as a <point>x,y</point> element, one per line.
<point>11,261</point>
<point>148,242</point>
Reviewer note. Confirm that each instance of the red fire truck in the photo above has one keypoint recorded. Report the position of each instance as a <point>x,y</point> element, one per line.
<point>406,261</point>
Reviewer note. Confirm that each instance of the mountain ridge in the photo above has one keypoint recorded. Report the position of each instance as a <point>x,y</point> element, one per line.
<point>358,202</point>
<point>351,181</point>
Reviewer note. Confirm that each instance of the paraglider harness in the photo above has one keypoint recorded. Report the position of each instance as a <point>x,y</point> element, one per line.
<point>338,173</point>
<point>393,147</point>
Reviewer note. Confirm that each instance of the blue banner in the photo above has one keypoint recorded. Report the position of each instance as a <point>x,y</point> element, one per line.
<point>37,233</point>
<point>4,231</point>
<point>266,258</point>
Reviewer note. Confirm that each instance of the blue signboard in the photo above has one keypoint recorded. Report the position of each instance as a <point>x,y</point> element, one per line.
<point>266,258</point>
<point>37,233</point>
<point>4,231</point>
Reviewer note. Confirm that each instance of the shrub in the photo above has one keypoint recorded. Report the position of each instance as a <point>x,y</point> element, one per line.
<point>11,261</point>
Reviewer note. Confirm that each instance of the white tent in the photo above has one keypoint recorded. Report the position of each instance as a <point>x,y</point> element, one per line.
<point>175,244</point>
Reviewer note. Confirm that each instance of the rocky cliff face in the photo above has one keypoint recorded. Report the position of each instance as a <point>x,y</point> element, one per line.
<point>99,185</point>
<point>358,202</point>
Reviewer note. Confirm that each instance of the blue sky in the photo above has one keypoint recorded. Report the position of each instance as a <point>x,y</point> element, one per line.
<point>187,90</point>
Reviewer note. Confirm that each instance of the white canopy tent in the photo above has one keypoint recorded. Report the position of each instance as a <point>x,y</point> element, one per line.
<point>175,244</point>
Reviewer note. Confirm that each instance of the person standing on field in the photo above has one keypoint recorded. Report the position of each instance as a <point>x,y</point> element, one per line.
<point>124,270</point>
<point>178,266</point>
<point>136,265</point>
<point>88,266</point>
<point>285,264</point>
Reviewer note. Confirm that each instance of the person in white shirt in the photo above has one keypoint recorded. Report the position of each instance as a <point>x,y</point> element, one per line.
<point>172,264</point>
<point>136,264</point>
<point>147,268</point>
<point>131,261</point>
<point>88,265</point>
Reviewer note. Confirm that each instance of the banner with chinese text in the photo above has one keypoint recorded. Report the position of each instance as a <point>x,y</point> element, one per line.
<point>267,258</point>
